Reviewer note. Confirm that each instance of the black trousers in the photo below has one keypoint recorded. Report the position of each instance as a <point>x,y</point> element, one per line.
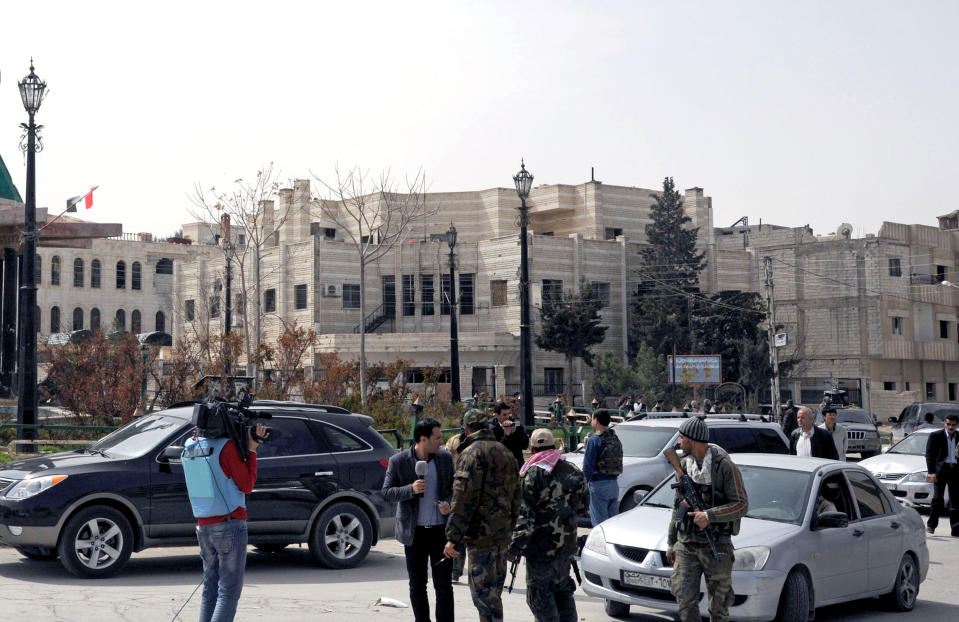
<point>947,477</point>
<point>426,552</point>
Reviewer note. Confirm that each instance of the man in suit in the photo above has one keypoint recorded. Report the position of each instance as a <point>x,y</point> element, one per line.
<point>808,440</point>
<point>421,509</point>
<point>943,472</point>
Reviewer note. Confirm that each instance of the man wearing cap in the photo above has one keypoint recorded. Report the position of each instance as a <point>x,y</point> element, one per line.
<point>602,464</point>
<point>486,501</point>
<point>808,440</point>
<point>720,486</point>
<point>554,493</point>
<point>840,438</point>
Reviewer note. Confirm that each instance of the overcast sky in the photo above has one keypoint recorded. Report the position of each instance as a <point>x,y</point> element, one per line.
<point>789,112</point>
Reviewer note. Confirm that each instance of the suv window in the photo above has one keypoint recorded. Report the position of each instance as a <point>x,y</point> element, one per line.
<point>869,498</point>
<point>340,440</point>
<point>769,442</point>
<point>733,439</point>
<point>290,437</point>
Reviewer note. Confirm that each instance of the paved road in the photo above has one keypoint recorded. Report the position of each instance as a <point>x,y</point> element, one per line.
<point>288,587</point>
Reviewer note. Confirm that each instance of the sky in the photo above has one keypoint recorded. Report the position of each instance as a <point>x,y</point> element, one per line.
<point>794,113</point>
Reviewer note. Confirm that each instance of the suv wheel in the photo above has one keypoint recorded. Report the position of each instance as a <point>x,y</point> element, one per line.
<point>341,536</point>
<point>96,542</point>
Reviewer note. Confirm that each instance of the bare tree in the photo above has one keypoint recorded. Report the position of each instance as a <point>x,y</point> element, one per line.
<point>375,214</point>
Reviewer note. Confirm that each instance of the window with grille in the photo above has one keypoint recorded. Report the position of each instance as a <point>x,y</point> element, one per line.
<point>445,294</point>
<point>299,295</point>
<point>895,266</point>
<point>121,275</point>
<point>136,276</point>
<point>896,325</point>
<point>121,320</point>
<point>78,272</point>
<point>409,294</point>
<point>55,270</point>
<point>601,292</point>
<point>466,293</point>
<point>497,290</point>
<point>552,291</point>
<point>95,273</point>
<point>351,296</point>
<point>426,294</point>
<point>269,301</point>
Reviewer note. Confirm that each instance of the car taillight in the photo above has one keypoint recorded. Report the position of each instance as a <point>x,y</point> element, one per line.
<point>385,463</point>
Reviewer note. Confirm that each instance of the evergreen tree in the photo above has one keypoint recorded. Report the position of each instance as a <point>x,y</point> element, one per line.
<point>721,326</point>
<point>669,273</point>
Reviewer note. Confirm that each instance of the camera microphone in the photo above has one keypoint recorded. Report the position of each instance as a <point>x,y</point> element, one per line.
<point>421,468</point>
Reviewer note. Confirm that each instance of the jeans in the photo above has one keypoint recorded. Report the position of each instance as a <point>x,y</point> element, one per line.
<point>425,553</point>
<point>603,500</point>
<point>223,550</point>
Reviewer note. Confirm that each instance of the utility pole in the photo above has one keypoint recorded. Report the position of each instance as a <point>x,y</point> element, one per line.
<point>773,353</point>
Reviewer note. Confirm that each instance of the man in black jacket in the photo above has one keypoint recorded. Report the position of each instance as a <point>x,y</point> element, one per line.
<point>809,440</point>
<point>508,432</point>
<point>943,472</point>
<point>421,508</point>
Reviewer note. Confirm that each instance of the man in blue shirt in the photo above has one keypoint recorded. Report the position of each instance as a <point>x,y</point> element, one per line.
<point>602,465</point>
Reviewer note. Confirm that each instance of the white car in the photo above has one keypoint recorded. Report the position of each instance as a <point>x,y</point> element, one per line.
<point>903,469</point>
<point>789,561</point>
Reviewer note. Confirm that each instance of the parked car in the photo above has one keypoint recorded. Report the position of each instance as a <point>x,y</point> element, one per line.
<point>644,464</point>
<point>319,480</point>
<point>913,416</point>
<point>903,470</point>
<point>789,561</point>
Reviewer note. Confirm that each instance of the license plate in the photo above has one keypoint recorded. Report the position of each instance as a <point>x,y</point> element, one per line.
<point>641,579</point>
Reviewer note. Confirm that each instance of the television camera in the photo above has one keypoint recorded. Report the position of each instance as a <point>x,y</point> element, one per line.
<point>219,418</point>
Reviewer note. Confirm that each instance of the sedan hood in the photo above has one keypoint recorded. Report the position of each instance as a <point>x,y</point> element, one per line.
<point>895,463</point>
<point>647,528</point>
<point>61,463</point>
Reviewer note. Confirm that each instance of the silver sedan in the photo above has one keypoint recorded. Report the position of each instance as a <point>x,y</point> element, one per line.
<point>790,558</point>
<point>903,469</point>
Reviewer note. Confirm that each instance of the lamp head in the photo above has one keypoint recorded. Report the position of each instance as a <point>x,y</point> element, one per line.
<point>523,180</point>
<point>32,91</point>
<point>451,236</point>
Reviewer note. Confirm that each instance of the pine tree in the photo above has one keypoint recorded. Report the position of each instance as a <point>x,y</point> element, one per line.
<point>669,274</point>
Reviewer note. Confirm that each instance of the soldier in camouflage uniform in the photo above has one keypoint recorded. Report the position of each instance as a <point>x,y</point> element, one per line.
<point>554,494</point>
<point>721,488</point>
<point>485,504</point>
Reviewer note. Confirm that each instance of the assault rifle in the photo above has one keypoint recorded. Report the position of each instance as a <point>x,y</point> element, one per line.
<point>691,499</point>
<point>512,570</point>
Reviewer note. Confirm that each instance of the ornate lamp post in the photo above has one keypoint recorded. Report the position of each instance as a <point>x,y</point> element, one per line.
<point>524,181</point>
<point>454,346</point>
<point>32,91</point>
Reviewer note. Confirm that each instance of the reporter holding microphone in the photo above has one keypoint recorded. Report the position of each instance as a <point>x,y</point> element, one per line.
<point>420,482</point>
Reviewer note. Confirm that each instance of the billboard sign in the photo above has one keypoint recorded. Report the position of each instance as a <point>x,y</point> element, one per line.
<point>696,368</point>
<point>782,339</point>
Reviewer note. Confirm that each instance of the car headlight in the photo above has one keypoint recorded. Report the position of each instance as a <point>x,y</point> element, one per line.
<point>751,558</point>
<point>596,542</point>
<point>24,489</point>
<point>918,476</point>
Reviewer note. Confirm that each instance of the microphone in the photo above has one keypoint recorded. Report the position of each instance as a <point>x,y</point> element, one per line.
<point>421,469</point>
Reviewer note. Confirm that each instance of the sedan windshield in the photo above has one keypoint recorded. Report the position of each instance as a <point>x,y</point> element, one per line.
<point>774,494</point>
<point>914,445</point>
<point>137,437</point>
<point>852,415</point>
<point>643,441</point>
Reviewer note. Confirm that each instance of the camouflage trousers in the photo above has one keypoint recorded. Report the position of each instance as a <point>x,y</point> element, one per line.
<point>693,560</point>
<point>458,564</point>
<point>550,589</point>
<point>487,574</point>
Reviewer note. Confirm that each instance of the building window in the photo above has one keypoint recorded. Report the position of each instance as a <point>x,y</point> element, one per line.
<point>241,240</point>
<point>95,273</point>
<point>552,291</point>
<point>215,298</point>
<point>940,274</point>
<point>895,266</point>
<point>389,296</point>
<point>907,386</point>
<point>55,270</point>
<point>329,233</point>
<point>409,294</point>
<point>351,296</point>
<point>160,322</point>
<point>612,232</point>
<point>299,296</point>
<point>944,329</point>
<point>467,291</point>
<point>136,275</point>
<point>121,275</point>
<point>497,291</point>
<point>931,391</point>
<point>888,386</point>
<point>426,294</point>
<point>136,326</point>
<point>269,301</point>
<point>164,266</point>
<point>445,293</point>
<point>896,325</point>
<point>95,319</point>
<point>120,322</point>
<point>190,310</point>
<point>55,320</point>
<point>600,292</point>
<point>953,390</point>
<point>78,272</point>
<point>553,380</point>
<point>78,319</point>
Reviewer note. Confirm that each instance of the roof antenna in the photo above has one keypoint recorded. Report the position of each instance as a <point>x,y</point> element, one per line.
<point>592,173</point>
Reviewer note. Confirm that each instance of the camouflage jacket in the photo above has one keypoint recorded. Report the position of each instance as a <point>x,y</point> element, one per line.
<point>546,527</point>
<point>485,493</point>
<point>725,498</point>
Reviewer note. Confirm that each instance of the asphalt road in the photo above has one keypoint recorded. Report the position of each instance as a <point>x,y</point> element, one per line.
<point>288,587</point>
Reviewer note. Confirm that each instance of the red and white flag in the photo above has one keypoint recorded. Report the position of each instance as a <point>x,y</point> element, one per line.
<point>88,198</point>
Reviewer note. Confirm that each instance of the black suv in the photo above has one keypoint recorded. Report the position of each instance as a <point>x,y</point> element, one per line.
<point>319,480</point>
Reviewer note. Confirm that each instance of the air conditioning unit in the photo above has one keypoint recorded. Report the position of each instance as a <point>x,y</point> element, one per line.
<point>331,291</point>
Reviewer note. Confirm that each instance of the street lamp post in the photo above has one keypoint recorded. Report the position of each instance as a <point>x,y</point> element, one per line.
<point>524,181</point>
<point>454,346</point>
<point>32,91</point>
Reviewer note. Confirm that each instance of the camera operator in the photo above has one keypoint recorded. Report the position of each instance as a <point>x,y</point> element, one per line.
<point>218,480</point>
<point>506,431</point>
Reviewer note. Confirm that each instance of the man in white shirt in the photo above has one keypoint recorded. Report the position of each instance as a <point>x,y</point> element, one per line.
<point>808,440</point>
<point>840,437</point>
